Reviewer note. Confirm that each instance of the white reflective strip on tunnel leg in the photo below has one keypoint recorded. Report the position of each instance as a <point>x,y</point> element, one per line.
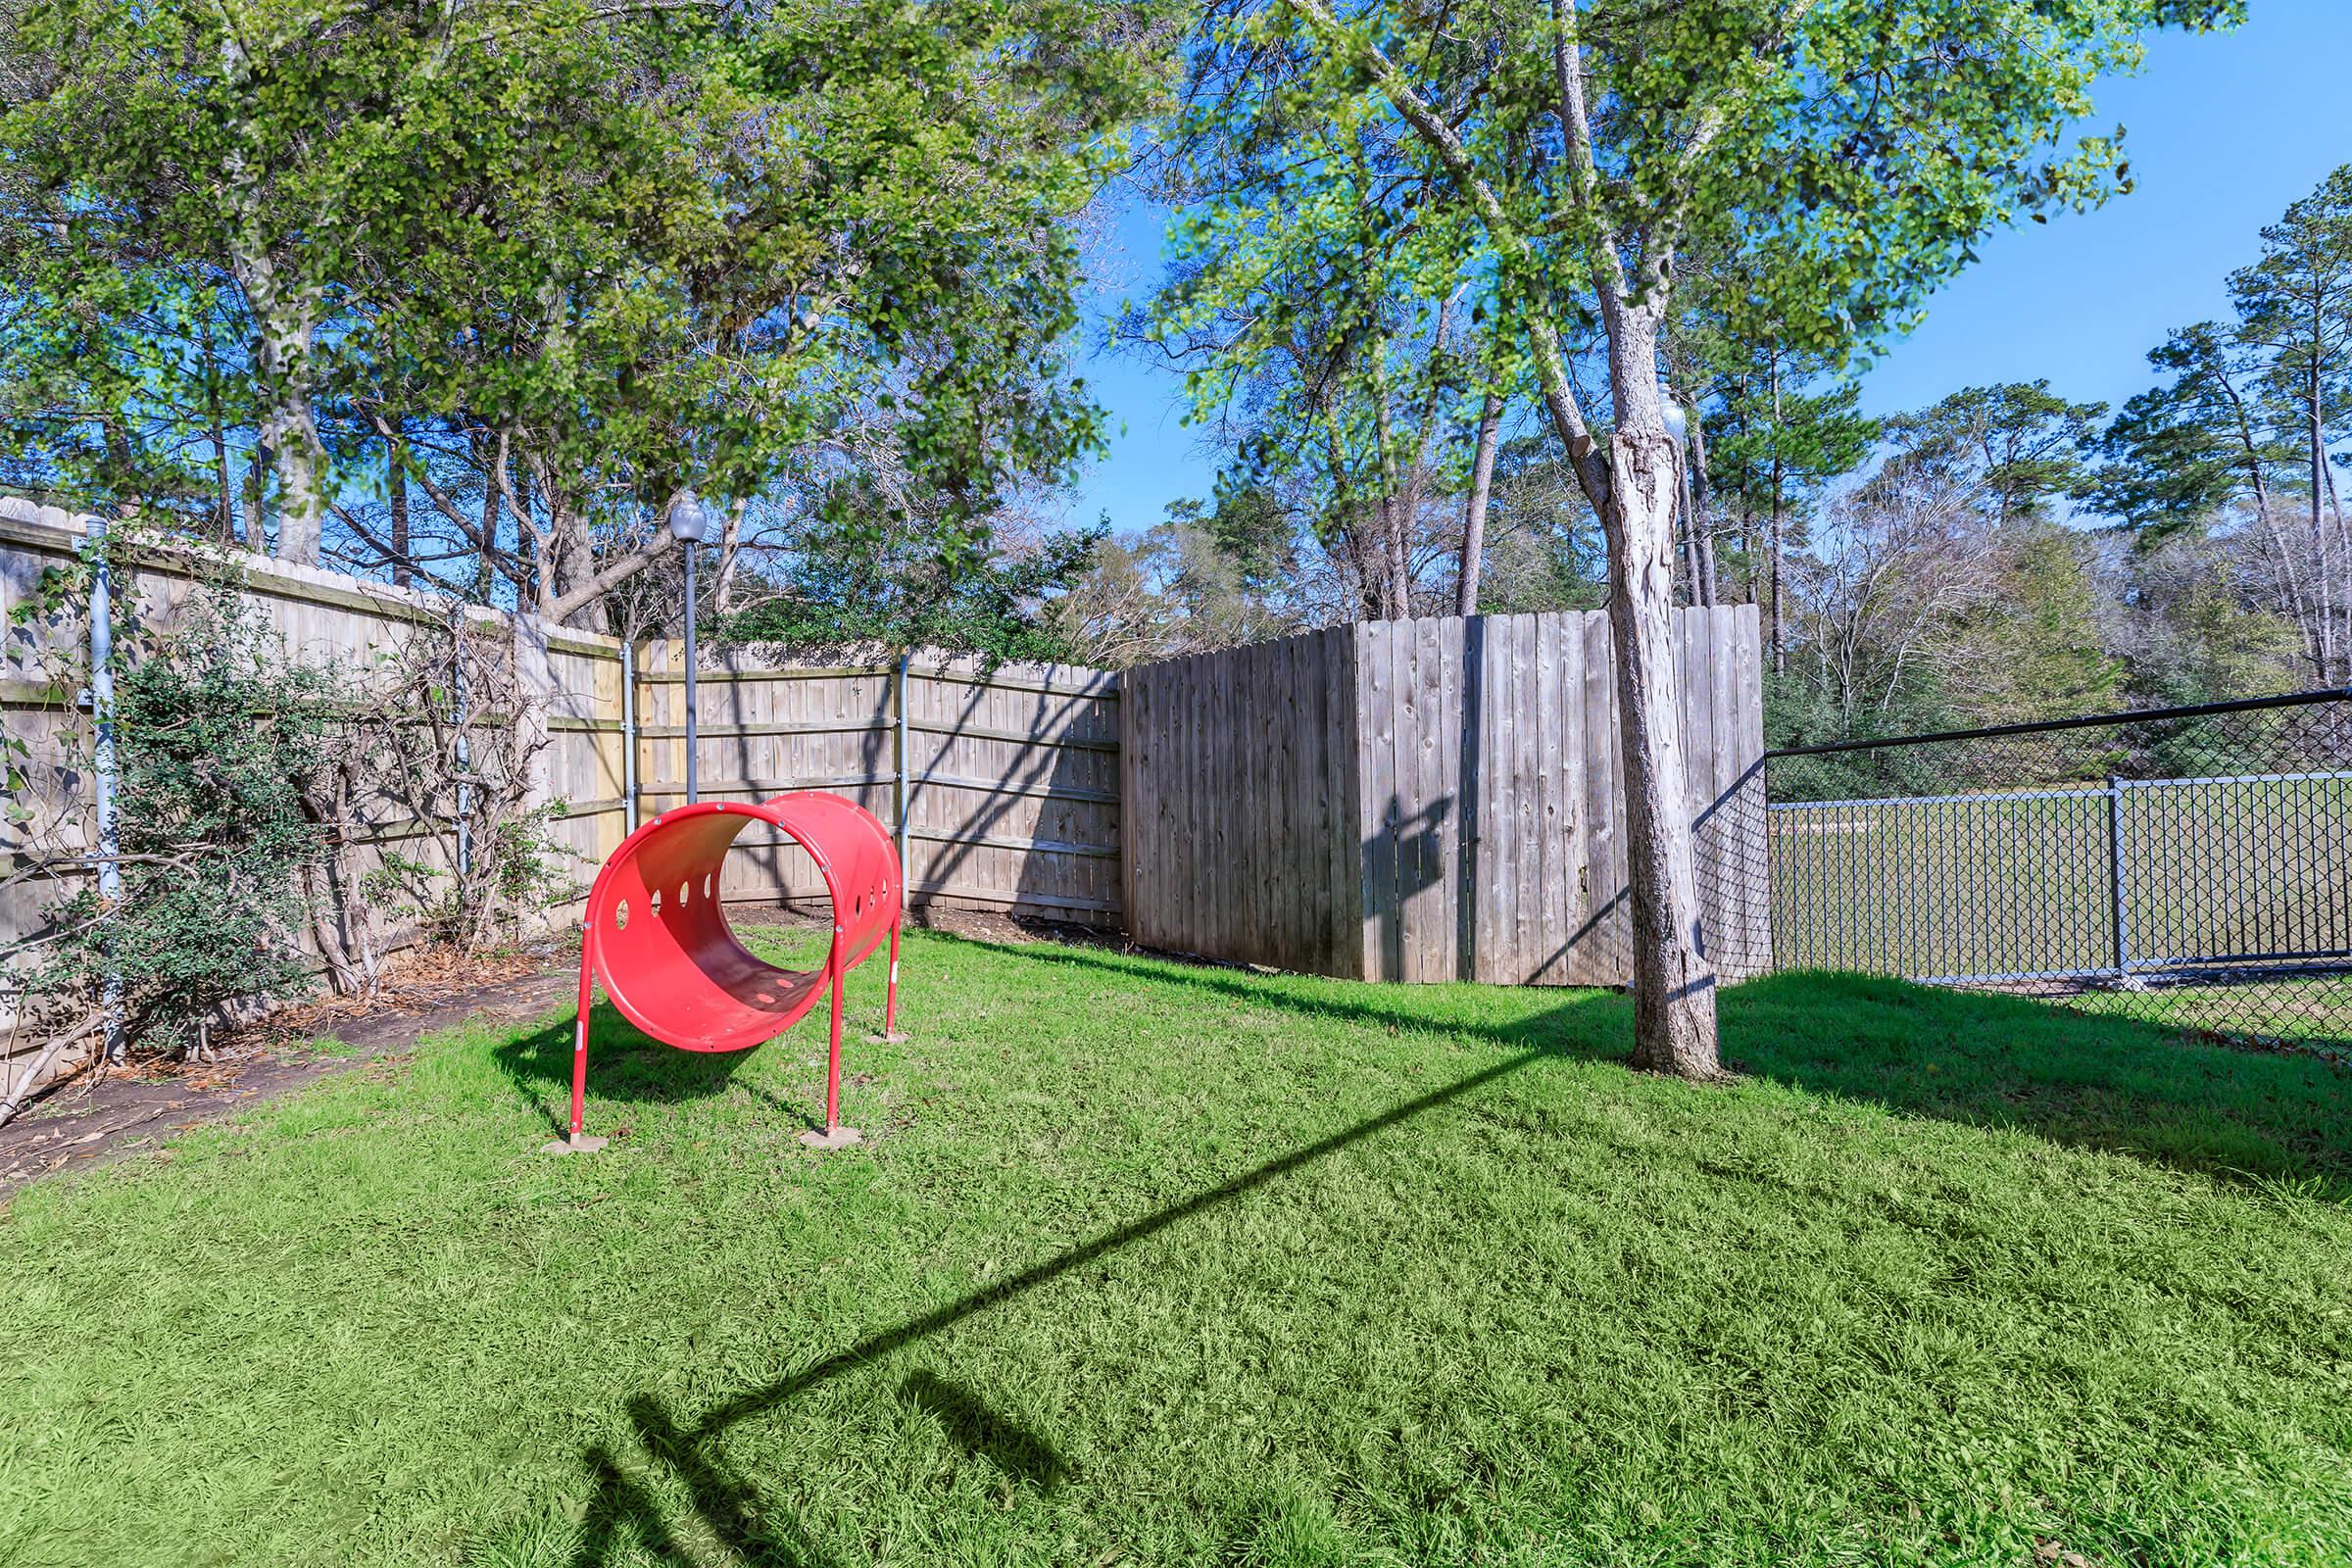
<point>893,971</point>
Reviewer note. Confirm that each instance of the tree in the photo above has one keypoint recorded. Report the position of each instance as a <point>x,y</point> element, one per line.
<point>2019,447</point>
<point>1576,152</point>
<point>922,584</point>
<point>1545,551</point>
<point>2193,445</point>
<point>1322,338</point>
<point>533,265</point>
<point>2185,619</point>
<point>1779,446</point>
<point>2295,304</point>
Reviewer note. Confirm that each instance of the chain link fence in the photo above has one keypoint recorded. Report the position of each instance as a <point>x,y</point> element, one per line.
<point>2189,866</point>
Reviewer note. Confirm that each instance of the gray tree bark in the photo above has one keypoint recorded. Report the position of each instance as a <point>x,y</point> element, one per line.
<point>284,316</point>
<point>1702,522</point>
<point>1674,982</point>
<point>730,546</point>
<point>1474,516</point>
<point>1780,623</point>
<point>1633,489</point>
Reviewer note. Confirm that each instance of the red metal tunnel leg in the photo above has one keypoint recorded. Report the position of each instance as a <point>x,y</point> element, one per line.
<point>835,1135</point>
<point>833,1054</point>
<point>579,1043</point>
<point>576,1142</point>
<point>890,1007</point>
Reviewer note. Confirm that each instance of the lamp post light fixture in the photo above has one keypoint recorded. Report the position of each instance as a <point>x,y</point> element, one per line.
<point>689,525</point>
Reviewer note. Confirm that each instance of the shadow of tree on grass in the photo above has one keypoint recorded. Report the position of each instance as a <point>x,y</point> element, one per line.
<point>1984,1060</point>
<point>2119,1085</point>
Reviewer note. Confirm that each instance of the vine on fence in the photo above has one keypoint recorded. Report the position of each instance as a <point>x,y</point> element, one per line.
<point>224,746</point>
<point>279,819</point>
<point>449,747</point>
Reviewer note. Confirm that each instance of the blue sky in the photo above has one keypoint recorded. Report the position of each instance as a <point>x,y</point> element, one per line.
<point>2222,134</point>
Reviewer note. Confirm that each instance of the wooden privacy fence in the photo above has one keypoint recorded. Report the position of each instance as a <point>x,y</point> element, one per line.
<point>1006,780</point>
<point>321,616</point>
<point>1432,800</point>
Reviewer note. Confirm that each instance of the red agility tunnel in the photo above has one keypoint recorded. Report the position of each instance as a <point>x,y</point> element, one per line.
<point>657,932</point>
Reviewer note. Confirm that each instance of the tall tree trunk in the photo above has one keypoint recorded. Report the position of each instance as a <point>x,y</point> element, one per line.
<point>226,520</point>
<point>284,317</point>
<point>730,546</point>
<point>1687,525</point>
<point>1474,516</point>
<point>257,495</point>
<point>1703,523</point>
<point>2340,546</point>
<point>1779,624</point>
<point>2343,580</point>
<point>301,500</point>
<point>531,541</point>
<point>290,432</point>
<point>2320,572</point>
<point>1367,546</point>
<point>1673,984</point>
<point>404,574</point>
<point>1631,488</point>
<point>485,560</point>
<point>2290,582</point>
<point>1398,594</point>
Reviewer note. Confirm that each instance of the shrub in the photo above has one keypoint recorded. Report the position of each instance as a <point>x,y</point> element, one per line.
<point>221,739</point>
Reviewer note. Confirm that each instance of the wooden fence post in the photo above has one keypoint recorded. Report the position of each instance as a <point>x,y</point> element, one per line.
<point>628,735</point>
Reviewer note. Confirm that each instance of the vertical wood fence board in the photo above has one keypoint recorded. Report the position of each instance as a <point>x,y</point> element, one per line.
<point>1436,799</point>
<point>1376,814</point>
<point>1422,801</point>
<point>1556,748</point>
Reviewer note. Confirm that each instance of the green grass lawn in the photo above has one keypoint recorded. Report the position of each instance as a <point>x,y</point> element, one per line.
<point>1156,1264</point>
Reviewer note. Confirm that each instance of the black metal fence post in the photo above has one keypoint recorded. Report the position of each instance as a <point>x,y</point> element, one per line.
<point>2114,877</point>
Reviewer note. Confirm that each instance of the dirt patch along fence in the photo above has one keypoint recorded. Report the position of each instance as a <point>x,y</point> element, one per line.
<point>1432,800</point>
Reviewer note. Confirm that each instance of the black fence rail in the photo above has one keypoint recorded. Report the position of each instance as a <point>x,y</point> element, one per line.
<point>2189,866</point>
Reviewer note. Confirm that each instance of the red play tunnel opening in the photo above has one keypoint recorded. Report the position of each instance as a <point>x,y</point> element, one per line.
<point>658,938</point>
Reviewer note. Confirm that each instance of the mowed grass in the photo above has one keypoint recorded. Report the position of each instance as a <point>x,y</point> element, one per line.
<point>1149,1263</point>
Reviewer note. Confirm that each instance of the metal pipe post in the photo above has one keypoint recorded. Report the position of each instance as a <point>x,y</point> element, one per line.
<point>628,734</point>
<point>692,795</point>
<point>465,753</point>
<point>104,768</point>
<point>906,800</point>
<point>2114,877</point>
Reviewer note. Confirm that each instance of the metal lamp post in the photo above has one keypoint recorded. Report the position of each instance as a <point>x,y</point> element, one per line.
<point>689,525</point>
